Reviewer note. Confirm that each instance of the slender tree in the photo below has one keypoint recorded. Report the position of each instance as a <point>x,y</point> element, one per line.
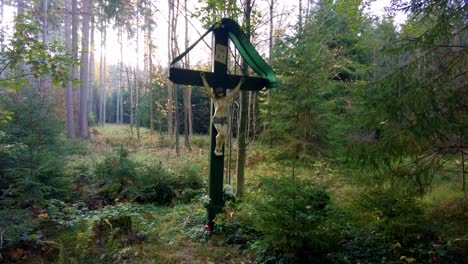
<point>241,140</point>
<point>170,88</point>
<point>84,69</point>
<point>91,69</point>
<point>137,112</point>
<point>76,92</point>
<point>44,80</point>
<point>132,107</point>
<point>69,92</point>
<point>188,90</point>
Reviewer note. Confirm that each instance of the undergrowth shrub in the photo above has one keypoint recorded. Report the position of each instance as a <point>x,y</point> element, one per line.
<point>32,154</point>
<point>291,214</point>
<point>399,221</point>
<point>395,214</point>
<point>124,179</point>
<point>117,174</point>
<point>108,234</point>
<point>155,185</point>
<point>162,186</point>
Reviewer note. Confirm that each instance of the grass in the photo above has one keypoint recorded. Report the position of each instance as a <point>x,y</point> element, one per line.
<point>176,234</point>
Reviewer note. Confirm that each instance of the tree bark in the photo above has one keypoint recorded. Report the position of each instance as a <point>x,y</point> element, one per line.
<point>241,150</point>
<point>187,92</point>
<point>137,112</point>
<point>76,92</point>
<point>121,76</point>
<point>136,71</point>
<point>104,76</point>
<point>101,79</point>
<point>150,82</point>
<point>69,92</point>
<point>45,81</point>
<point>270,61</point>
<point>91,70</point>
<point>169,58</point>
<point>84,70</point>
<point>131,101</point>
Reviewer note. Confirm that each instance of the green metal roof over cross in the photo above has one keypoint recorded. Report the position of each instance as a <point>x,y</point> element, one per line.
<point>247,51</point>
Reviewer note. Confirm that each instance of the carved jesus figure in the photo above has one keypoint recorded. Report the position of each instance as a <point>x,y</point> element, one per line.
<point>221,103</point>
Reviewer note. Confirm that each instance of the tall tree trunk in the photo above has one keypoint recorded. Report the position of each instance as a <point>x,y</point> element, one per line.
<point>91,70</point>
<point>104,75</point>
<point>121,76</point>
<point>44,80</point>
<point>131,101</point>
<point>136,81</point>
<point>175,50</point>
<point>101,79</point>
<point>169,84</point>
<point>270,61</point>
<point>69,93</point>
<point>241,150</point>
<point>177,118</point>
<point>117,105</point>
<point>84,70</point>
<point>300,16</point>
<point>2,29</point>
<point>187,92</point>
<point>137,111</point>
<point>150,83</point>
<point>20,11</point>
<point>75,27</point>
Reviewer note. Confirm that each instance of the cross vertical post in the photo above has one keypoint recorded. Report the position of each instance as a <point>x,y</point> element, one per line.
<point>216,171</point>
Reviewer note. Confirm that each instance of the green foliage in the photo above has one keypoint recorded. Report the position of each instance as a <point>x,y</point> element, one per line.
<point>161,186</point>
<point>124,179</point>
<point>107,235</point>
<point>117,174</point>
<point>291,215</point>
<point>395,213</point>
<point>213,10</point>
<point>25,55</point>
<point>318,69</point>
<point>31,162</point>
<point>31,166</point>
<point>416,109</point>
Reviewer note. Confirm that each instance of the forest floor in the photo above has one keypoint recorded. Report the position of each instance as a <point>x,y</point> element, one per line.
<point>159,234</point>
<point>149,233</point>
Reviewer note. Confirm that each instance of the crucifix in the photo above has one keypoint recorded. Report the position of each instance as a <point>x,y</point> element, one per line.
<point>223,31</point>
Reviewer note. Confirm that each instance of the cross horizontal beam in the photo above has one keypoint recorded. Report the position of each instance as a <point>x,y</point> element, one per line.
<point>192,77</point>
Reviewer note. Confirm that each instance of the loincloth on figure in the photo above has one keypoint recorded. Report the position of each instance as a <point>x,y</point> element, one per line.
<point>220,120</point>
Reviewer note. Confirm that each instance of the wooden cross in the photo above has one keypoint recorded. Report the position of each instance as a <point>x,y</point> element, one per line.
<point>226,29</point>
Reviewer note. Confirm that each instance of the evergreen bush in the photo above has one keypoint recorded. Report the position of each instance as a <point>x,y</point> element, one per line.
<point>291,215</point>
<point>31,162</point>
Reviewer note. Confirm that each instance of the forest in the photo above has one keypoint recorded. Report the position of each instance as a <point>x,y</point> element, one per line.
<point>357,154</point>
